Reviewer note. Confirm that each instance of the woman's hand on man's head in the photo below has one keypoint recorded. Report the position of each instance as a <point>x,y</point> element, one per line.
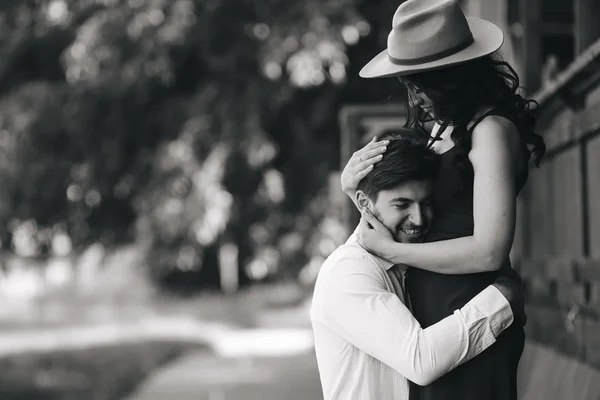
<point>360,164</point>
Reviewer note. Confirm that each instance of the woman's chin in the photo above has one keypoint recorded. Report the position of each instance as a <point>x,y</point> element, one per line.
<point>428,110</point>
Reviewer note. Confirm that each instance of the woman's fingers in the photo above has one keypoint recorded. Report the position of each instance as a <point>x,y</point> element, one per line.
<point>368,161</point>
<point>364,226</point>
<point>369,151</point>
<point>363,172</point>
<point>363,168</point>
<point>374,153</point>
<point>361,163</point>
<point>372,220</point>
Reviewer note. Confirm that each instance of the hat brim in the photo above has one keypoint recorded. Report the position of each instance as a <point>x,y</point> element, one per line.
<point>487,39</point>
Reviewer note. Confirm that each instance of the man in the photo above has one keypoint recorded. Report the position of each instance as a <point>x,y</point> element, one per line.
<point>368,344</point>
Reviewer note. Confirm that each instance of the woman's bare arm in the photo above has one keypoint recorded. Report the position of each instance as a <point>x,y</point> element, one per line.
<point>495,155</point>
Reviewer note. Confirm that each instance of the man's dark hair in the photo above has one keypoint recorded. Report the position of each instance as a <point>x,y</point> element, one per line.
<point>406,159</point>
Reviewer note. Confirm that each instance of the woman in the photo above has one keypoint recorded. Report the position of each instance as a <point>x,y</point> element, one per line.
<point>484,133</point>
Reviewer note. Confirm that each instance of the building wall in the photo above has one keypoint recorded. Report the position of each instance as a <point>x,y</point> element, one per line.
<point>497,12</point>
<point>557,243</point>
<point>560,225</point>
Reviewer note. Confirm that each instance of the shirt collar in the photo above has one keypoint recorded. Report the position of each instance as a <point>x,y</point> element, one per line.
<point>380,261</point>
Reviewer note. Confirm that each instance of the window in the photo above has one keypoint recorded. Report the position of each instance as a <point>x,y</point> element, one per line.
<point>557,32</point>
<point>549,35</point>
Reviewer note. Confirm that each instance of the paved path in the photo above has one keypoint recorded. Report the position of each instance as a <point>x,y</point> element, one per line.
<point>206,376</point>
<point>272,362</point>
<point>270,359</point>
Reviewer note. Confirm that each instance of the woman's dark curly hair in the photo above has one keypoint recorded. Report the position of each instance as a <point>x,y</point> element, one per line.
<point>459,92</point>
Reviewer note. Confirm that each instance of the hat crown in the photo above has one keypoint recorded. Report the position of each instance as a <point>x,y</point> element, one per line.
<point>427,29</point>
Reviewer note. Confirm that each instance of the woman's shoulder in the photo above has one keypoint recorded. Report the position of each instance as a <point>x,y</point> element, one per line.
<point>495,121</point>
<point>497,134</point>
<point>489,113</point>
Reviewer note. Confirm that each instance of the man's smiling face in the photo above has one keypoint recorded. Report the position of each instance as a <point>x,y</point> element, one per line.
<point>406,210</point>
<point>398,191</point>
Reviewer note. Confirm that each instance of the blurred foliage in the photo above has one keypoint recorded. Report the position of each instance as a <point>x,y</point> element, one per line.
<point>182,124</point>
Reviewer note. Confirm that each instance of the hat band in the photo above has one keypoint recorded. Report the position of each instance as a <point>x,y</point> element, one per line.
<point>433,57</point>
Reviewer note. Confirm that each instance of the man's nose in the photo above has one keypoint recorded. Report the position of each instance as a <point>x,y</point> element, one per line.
<point>416,215</point>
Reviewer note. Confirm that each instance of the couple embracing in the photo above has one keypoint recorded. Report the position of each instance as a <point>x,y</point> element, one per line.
<point>421,302</point>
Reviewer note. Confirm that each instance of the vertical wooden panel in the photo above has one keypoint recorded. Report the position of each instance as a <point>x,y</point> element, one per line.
<point>545,374</point>
<point>549,325</point>
<point>540,211</point>
<point>592,342</point>
<point>531,49</point>
<point>587,28</point>
<point>558,210</point>
<point>593,192</point>
<point>593,100</point>
<point>568,229</point>
<point>557,127</point>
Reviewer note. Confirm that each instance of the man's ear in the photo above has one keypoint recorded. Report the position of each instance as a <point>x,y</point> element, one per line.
<point>362,201</point>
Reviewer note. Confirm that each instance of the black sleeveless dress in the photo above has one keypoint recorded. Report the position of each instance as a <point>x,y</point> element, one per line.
<point>492,375</point>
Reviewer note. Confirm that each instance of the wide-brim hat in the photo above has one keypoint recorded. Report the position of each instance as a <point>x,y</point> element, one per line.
<point>432,34</point>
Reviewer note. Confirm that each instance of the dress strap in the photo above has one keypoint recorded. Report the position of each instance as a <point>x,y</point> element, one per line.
<point>438,134</point>
<point>493,111</point>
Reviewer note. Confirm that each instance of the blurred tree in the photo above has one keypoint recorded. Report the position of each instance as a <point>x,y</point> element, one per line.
<point>179,123</point>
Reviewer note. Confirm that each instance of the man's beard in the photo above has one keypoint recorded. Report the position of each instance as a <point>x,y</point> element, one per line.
<point>403,237</point>
<point>395,233</point>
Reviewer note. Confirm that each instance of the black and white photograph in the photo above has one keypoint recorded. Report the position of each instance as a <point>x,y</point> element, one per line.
<point>299,200</point>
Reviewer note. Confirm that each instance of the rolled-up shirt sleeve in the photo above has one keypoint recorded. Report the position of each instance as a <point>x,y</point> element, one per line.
<point>364,312</point>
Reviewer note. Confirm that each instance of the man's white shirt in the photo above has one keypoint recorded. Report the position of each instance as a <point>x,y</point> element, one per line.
<point>367,342</point>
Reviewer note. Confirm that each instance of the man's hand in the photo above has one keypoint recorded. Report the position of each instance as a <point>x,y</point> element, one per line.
<point>513,291</point>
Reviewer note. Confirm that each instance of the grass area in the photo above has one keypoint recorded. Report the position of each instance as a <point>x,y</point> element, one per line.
<point>100,373</point>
